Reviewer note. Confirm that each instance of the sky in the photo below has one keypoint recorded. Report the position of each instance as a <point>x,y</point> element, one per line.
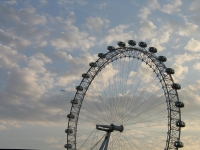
<point>46,45</point>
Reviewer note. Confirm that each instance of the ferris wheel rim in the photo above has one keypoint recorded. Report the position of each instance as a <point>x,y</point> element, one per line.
<point>105,61</point>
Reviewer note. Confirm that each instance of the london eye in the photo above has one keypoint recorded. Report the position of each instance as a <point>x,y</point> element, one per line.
<point>126,100</point>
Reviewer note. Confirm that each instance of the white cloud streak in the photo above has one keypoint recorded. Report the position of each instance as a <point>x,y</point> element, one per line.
<point>96,24</point>
<point>195,5</point>
<point>172,8</point>
<point>187,29</point>
<point>193,45</point>
<point>118,33</point>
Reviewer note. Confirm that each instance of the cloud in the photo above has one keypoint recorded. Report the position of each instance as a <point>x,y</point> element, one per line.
<point>190,141</point>
<point>144,12</point>
<point>96,24</point>
<point>80,2</point>
<point>23,83</point>
<point>196,18</point>
<point>158,36</point>
<point>26,16</point>
<point>72,40</point>
<point>187,57</point>
<point>180,72</point>
<point>172,8</point>
<point>55,141</point>
<point>43,44</point>
<point>196,66</point>
<point>187,29</point>
<point>78,66</point>
<point>72,37</point>
<point>29,16</point>
<point>193,45</point>
<point>17,109</point>
<point>104,79</point>
<point>11,2</point>
<point>13,41</point>
<point>102,6</point>
<point>37,62</point>
<point>32,81</point>
<point>190,96</point>
<point>163,36</point>
<point>25,87</point>
<point>29,82</point>
<point>22,27</point>
<point>195,5</point>
<point>176,47</point>
<point>50,140</point>
<point>10,58</point>
<point>153,4</point>
<point>32,33</point>
<point>118,33</point>
<point>43,2</point>
<point>2,127</point>
<point>147,30</point>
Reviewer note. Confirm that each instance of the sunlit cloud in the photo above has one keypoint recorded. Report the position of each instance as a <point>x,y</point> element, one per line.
<point>193,45</point>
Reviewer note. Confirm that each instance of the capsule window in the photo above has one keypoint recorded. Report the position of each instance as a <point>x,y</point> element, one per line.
<point>142,44</point>
<point>101,55</point>
<point>68,146</point>
<point>170,71</point>
<point>111,48</point>
<point>180,123</point>
<point>176,86</point>
<point>79,88</point>
<point>121,44</point>
<point>152,49</point>
<point>179,104</point>
<point>162,58</point>
<point>178,144</point>
<point>92,64</point>
<point>74,101</point>
<point>70,116</point>
<point>68,131</point>
<point>132,42</point>
<point>85,75</point>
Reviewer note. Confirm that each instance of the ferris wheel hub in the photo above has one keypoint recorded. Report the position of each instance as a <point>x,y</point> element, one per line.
<point>110,128</point>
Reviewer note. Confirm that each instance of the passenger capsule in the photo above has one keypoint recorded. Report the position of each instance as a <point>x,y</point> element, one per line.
<point>68,146</point>
<point>74,101</point>
<point>142,44</point>
<point>85,75</point>
<point>178,144</point>
<point>68,131</point>
<point>111,48</point>
<point>179,104</point>
<point>180,123</point>
<point>92,64</point>
<point>170,71</point>
<point>70,116</point>
<point>162,58</point>
<point>176,86</point>
<point>132,42</point>
<point>152,49</point>
<point>101,55</point>
<point>79,88</point>
<point>121,44</point>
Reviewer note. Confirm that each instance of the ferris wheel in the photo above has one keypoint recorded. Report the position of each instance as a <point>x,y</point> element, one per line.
<point>126,100</point>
